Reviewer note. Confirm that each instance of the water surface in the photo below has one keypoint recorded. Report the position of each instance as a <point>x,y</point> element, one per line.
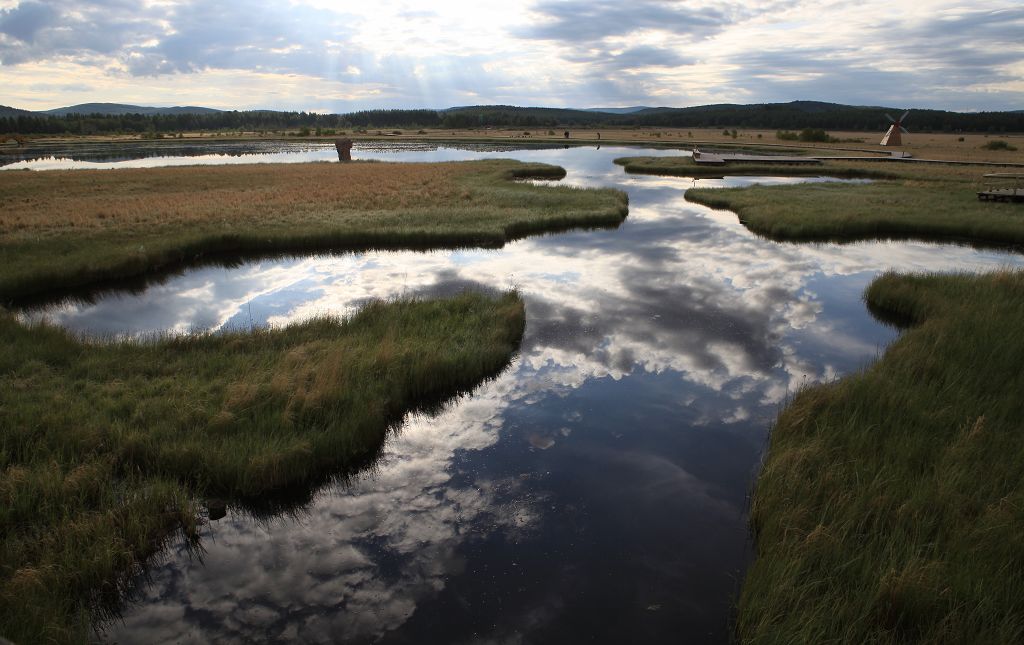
<point>596,491</point>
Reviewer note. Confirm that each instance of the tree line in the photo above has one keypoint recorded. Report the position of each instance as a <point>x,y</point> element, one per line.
<point>780,116</point>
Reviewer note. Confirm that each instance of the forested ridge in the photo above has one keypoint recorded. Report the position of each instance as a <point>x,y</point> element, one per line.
<point>774,116</point>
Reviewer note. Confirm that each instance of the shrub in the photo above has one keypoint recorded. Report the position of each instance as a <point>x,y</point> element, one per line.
<point>998,144</point>
<point>786,135</point>
<point>816,135</point>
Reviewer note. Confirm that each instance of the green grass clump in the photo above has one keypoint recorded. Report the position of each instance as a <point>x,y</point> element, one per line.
<point>687,167</point>
<point>999,144</point>
<point>938,209</point>
<point>69,229</point>
<point>891,504</point>
<point>105,447</point>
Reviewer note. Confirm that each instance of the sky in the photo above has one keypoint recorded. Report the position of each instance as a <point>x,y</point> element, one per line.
<point>323,56</point>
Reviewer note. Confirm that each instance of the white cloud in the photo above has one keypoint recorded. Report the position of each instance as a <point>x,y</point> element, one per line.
<point>933,53</point>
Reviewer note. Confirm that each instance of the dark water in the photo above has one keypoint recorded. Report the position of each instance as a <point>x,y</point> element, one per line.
<point>596,491</point>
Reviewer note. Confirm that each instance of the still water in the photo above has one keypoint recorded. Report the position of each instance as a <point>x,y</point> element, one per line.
<point>596,491</point>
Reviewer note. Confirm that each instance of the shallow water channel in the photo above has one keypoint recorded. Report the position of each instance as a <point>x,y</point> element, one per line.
<point>596,491</point>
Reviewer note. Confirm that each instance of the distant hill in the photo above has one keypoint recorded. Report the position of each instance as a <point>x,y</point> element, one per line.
<point>6,111</point>
<point>119,108</point>
<point>103,118</point>
<point>622,110</point>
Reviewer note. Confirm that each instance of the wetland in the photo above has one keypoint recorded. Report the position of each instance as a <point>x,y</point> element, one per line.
<point>597,488</point>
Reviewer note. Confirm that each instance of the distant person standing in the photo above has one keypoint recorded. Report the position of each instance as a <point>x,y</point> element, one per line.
<point>566,134</point>
<point>598,136</point>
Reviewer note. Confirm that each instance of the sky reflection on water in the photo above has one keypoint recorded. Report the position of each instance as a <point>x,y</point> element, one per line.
<point>594,491</point>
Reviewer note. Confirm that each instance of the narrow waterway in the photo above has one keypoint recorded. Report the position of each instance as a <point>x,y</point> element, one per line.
<point>596,491</point>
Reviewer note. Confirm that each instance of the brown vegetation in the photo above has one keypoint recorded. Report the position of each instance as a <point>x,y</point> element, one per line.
<point>69,229</point>
<point>34,204</point>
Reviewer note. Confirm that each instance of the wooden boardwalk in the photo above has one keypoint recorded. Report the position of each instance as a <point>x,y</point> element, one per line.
<point>721,159</point>
<point>1003,187</point>
<point>1015,195</point>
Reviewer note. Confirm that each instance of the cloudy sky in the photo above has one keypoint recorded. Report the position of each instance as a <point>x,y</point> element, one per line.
<point>342,56</point>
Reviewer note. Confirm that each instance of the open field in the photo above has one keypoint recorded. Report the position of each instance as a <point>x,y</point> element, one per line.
<point>891,507</point>
<point>935,202</point>
<point>67,229</point>
<point>105,448</point>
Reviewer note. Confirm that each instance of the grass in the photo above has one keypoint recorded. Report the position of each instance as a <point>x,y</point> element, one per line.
<point>67,229</point>
<point>907,201</point>
<point>686,167</point>
<point>105,447</point>
<point>891,506</point>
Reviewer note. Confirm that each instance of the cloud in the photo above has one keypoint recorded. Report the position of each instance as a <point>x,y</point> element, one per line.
<point>249,35</point>
<point>946,60</point>
<point>585,21</point>
<point>26,20</point>
<point>934,53</point>
<point>36,31</point>
<point>182,37</point>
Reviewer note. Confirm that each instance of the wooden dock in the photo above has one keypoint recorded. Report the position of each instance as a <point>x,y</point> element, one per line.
<point>1003,187</point>
<point>1015,195</point>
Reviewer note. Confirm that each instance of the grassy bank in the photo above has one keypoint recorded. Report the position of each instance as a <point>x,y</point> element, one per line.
<point>105,447</point>
<point>686,167</point>
<point>891,505</point>
<point>903,200</point>
<point>64,229</point>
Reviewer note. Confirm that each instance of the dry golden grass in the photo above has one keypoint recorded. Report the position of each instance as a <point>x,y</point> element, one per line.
<point>39,203</point>
<point>66,229</point>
